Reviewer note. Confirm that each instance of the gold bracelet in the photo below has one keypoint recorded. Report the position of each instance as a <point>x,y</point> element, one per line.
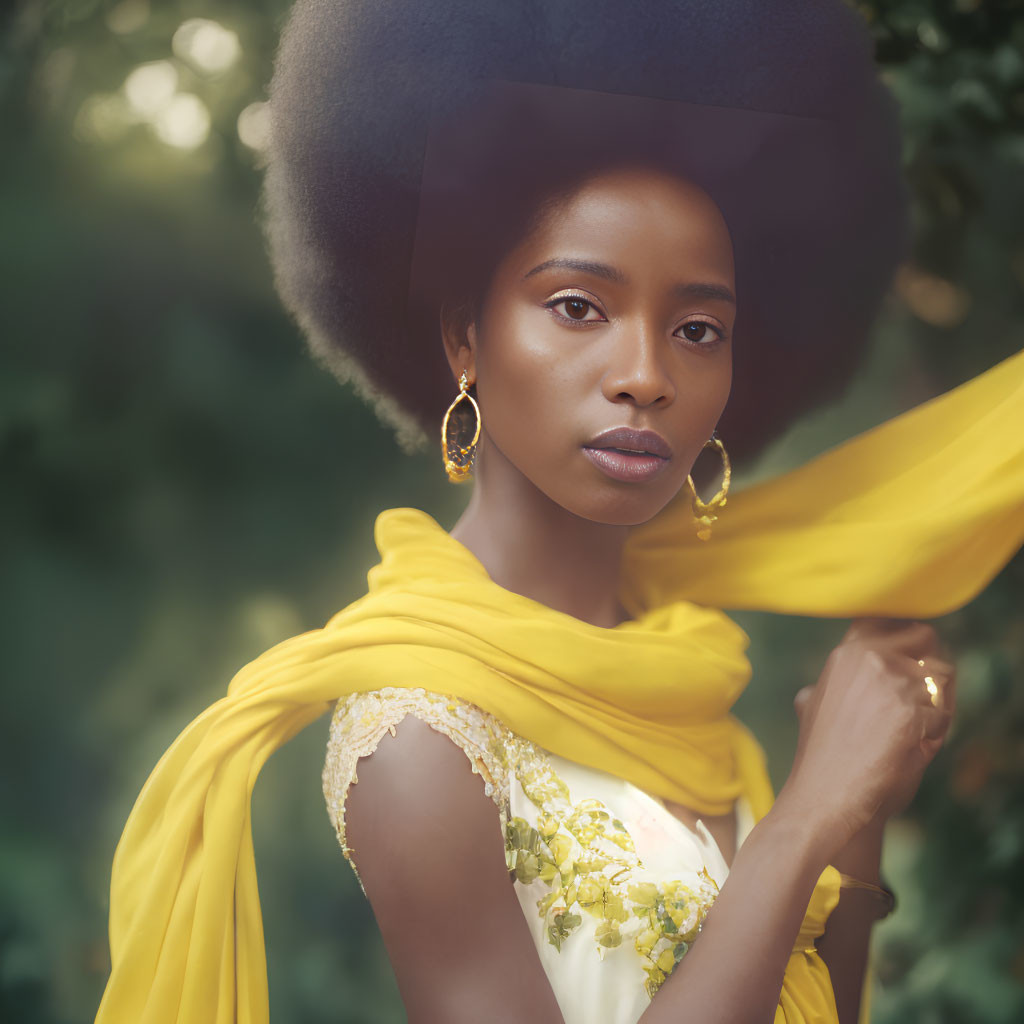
<point>883,894</point>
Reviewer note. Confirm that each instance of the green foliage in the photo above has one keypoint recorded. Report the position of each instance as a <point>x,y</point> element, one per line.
<point>182,488</point>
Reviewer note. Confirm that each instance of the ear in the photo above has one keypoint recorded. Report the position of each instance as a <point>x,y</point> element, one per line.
<point>458,332</point>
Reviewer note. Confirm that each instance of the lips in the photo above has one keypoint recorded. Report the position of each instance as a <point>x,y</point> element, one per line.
<point>623,453</point>
<point>633,442</point>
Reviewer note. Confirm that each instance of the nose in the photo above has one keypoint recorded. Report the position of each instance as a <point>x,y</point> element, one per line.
<point>637,368</point>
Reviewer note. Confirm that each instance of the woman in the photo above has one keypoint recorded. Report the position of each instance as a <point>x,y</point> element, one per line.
<point>553,498</point>
<point>492,198</point>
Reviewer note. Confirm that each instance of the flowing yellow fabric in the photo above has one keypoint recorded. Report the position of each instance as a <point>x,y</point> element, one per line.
<point>910,519</point>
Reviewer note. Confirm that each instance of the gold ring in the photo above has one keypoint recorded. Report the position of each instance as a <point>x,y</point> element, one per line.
<point>931,686</point>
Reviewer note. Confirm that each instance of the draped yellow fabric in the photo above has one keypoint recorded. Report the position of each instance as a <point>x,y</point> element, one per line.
<point>910,519</point>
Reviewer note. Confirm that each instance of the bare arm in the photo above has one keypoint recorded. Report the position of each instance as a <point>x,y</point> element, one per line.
<point>429,850</point>
<point>868,729</point>
<point>734,970</point>
<point>846,943</point>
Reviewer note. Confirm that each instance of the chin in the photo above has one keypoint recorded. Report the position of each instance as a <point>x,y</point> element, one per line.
<point>586,492</point>
<point>628,507</point>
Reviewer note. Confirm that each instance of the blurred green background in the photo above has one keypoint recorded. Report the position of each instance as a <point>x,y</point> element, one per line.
<point>181,488</point>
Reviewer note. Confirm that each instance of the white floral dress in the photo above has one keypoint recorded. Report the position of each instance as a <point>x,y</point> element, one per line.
<point>614,887</point>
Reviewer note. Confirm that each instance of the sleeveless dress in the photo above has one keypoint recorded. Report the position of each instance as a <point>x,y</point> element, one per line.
<point>613,886</point>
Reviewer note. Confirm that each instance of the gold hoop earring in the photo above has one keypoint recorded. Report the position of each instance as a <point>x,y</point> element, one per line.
<point>705,512</point>
<point>458,458</point>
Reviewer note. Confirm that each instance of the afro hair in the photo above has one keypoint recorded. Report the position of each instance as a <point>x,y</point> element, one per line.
<point>775,109</point>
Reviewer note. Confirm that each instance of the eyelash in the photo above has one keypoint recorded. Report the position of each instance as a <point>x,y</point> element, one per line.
<point>572,322</point>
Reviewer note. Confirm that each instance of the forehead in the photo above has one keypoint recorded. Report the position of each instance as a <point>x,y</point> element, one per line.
<point>630,214</point>
<point>641,192</point>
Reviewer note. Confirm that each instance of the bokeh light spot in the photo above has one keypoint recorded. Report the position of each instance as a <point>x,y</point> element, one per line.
<point>150,87</point>
<point>254,126</point>
<point>184,123</point>
<point>206,45</point>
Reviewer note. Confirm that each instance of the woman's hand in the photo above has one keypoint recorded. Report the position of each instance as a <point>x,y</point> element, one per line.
<point>869,728</point>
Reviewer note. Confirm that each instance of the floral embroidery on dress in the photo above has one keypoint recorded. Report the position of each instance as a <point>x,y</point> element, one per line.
<point>580,852</point>
<point>586,857</point>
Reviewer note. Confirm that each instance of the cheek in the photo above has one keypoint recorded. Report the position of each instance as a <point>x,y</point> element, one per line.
<point>719,385</point>
<point>700,409</point>
<point>528,379</point>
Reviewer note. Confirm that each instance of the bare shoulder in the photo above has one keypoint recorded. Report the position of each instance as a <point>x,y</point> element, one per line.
<point>418,786</point>
<point>427,841</point>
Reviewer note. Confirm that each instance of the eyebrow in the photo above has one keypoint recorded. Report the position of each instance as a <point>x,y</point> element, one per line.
<point>689,290</point>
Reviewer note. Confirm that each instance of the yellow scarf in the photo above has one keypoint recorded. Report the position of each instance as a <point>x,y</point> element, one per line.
<point>910,519</point>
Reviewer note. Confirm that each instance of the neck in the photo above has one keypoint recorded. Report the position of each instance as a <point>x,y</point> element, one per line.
<point>533,546</point>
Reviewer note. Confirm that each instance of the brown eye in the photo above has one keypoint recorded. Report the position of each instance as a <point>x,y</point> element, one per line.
<point>696,332</point>
<point>576,308</point>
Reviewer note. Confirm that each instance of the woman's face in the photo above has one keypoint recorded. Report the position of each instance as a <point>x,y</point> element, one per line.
<point>616,312</point>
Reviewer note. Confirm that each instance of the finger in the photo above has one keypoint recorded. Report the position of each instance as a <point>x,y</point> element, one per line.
<point>935,722</point>
<point>908,637</point>
<point>931,747</point>
<point>934,736</point>
<point>944,703</point>
<point>918,639</point>
<point>932,663</point>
